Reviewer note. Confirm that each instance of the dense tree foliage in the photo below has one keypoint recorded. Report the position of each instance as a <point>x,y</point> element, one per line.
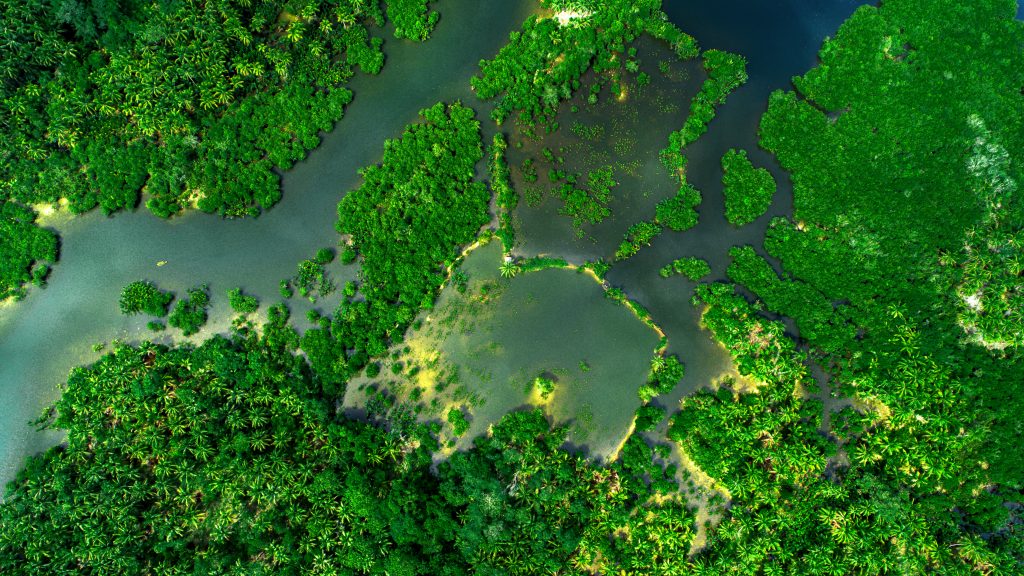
<point>144,296</point>
<point>666,372</point>
<point>412,18</point>
<point>189,314</point>
<point>692,268</point>
<point>242,303</point>
<point>905,209</point>
<point>191,102</point>
<point>505,197</point>
<point>541,66</point>
<point>679,213</point>
<point>25,249</point>
<point>748,191</point>
<point>422,197</point>
<point>224,459</point>
<point>900,269</point>
<point>407,221</point>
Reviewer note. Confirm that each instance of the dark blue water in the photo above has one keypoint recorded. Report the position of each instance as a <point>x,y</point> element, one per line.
<point>780,39</point>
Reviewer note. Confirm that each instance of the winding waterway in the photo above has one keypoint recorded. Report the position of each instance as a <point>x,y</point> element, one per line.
<point>52,330</point>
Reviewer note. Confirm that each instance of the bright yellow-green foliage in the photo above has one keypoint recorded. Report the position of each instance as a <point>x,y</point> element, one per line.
<point>748,191</point>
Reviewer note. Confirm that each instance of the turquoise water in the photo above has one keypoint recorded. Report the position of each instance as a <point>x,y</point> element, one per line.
<point>54,329</point>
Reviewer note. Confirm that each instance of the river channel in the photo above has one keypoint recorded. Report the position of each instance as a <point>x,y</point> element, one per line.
<point>57,328</point>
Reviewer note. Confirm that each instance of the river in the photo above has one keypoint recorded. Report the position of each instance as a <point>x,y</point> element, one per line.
<point>52,330</point>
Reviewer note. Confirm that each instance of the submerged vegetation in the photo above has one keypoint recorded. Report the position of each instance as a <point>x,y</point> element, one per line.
<point>587,203</point>
<point>869,423</point>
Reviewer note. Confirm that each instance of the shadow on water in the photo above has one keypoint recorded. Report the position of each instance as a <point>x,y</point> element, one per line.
<point>780,39</point>
<point>42,337</point>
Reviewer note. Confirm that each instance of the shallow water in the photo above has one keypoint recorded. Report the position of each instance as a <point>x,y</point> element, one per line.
<point>780,39</point>
<point>52,330</point>
<point>556,322</point>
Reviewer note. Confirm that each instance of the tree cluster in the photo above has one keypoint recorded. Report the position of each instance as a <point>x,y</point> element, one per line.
<point>748,191</point>
<point>542,64</point>
<point>144,296</point>
<point>190,103</point>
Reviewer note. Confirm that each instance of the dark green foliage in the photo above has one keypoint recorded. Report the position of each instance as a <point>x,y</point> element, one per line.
<point>412,18</point>
<point>222,459</point>
<point>242,303</point>
<point>905,170</point>
<point>692,268</point>
<point>372,369</point>
<point>189,315</point>
<point>666,372</point>
<point>458,420</point>
<point>156,326</point>
<point>421,198</point>
<point>679,213</point>
<point>748,191</point>
<point>816,317</point>
<point>170,451</point>
<point>648,416</point>
<point>726,72</point>
<point>530,509</point>
<point>144,296</point>
<point>324,256</point>
<point>194,102</point>
<point>505,195</point>
<point>639,235</point>
<point>541,66</point>
<point>25,249</point>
